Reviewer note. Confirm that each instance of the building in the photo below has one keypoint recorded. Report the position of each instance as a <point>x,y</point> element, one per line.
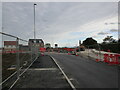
<point>10,45</point>
<point>36,43</point>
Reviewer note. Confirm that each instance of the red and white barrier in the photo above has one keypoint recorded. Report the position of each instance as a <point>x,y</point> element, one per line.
<point>112,58</point>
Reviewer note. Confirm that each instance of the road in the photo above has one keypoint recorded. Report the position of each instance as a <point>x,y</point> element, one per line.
<point>42,74</point>
<point>86,73</point>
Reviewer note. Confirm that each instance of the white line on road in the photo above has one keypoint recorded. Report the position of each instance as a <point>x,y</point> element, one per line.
<point>68,80</point>
<point>71,79</point>
<point>43,69</point>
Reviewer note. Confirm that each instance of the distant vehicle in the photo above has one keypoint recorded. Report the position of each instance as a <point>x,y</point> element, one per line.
<point>82,48</point>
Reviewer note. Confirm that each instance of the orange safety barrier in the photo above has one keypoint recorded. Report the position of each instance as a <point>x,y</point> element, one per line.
<point>117,59</point>
<point>42,49</point>
<point>106,58</point>
<point>20,51</point>
<point>112,58</point>
<point>97,60</point>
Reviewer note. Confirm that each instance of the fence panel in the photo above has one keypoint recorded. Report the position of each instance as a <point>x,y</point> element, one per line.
<point>9,62</point>
<point>17,56</point>
<point>24,55</point>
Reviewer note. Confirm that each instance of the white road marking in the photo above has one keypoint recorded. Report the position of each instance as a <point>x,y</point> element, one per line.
<point>68,80</point>
<point>42,69</point>
<point>11,69</point>
<point>71,79</point>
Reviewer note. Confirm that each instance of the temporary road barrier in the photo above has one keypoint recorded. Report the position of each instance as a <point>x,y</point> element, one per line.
<point>112,58</point>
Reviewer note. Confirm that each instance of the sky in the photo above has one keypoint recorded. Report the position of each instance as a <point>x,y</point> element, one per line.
<point>64,23</point>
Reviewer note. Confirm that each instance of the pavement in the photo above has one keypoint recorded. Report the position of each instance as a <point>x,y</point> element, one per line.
<point>86,73</point>
<point>44,73</point>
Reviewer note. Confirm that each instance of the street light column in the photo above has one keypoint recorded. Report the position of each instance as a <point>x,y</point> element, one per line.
<point>34,21</point>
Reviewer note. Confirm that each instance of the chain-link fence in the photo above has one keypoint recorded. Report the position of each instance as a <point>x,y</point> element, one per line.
<point>17,56</point>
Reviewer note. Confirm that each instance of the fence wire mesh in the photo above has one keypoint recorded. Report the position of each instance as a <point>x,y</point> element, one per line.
<point>17,55</point>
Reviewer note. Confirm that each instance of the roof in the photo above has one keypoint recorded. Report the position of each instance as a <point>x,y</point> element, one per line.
<point>47,44</point>
<point>10,42</point>
<point>37,40</point>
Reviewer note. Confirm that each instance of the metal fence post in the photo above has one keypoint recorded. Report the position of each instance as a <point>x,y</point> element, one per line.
<point>36,50</point>
<point>17,58</point>
<point>31,45</point>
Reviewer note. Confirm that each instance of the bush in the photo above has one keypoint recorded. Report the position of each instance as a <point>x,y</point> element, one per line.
<point>115,47</point>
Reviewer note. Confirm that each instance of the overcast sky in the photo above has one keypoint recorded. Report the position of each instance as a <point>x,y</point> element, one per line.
<point>61,22</point>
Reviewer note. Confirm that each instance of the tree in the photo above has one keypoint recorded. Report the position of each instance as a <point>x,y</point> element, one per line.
<point>118,40</point>
<point>109,39</point>
<point>89,41</point>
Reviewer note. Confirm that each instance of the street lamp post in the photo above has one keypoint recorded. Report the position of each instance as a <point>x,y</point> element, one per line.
<point>34,21</point>
<point>35,47</point>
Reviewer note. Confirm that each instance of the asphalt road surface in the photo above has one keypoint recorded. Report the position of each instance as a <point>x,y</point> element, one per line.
<point>43,73</point>
<point>86,73</point>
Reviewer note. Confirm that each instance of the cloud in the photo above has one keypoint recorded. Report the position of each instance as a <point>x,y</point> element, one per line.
<point>110,23</point>
<point>102,33</point>
<point>57,21</point>
<point>114,30</point>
